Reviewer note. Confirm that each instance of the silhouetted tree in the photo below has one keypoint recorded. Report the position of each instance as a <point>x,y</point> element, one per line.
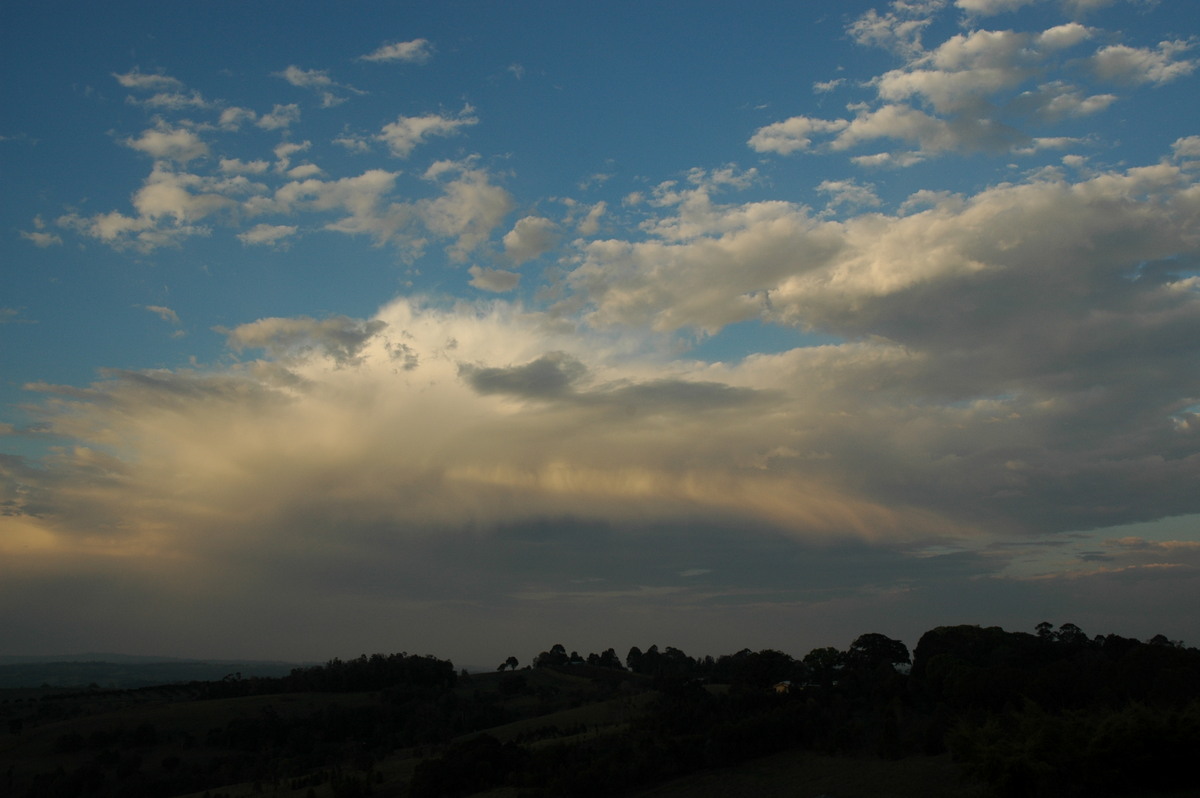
<point>824,664</point>
<point>871,650</point>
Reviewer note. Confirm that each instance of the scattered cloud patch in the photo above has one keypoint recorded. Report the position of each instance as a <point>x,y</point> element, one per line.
<point>530,237</point>
<point>494,280</point>
<point>272,235</point>
<point>403,135</point>
<point>416,51</point>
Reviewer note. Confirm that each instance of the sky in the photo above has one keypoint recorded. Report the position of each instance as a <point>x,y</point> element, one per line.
<point>468,328</point>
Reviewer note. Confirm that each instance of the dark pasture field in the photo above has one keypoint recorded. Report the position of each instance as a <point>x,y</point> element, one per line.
<point>971,711</point>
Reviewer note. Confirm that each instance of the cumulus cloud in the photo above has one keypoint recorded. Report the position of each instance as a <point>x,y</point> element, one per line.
<point>849,192</point>
<point>42,239</point>
<point>281,116</point>
<point>136,79</point>
<point>469,208</point>
<point>330,91</point>
<point>233,117</point>
<point>495,280</point>
<point>274,235</point>
<point>1124,64</point>
<point>417,51</point>
<point>170,143</point>
<point>339,338</point>
<point>987,8</point>
<point>164,313</point>
<point>979,91</point>
<point>792,134</point>
<point>403,135</point>
<point>531,236</point>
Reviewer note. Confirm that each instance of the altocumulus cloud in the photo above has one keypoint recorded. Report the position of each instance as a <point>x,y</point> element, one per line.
<point>1009,372</point>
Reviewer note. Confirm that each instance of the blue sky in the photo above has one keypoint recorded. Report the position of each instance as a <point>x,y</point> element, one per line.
<point>464,327</point>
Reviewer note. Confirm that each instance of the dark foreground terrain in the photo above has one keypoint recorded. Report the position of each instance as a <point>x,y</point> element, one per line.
<point>973,712</point>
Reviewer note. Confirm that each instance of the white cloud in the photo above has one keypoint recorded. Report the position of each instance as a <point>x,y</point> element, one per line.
<point>273,235</point>
<point>164,313</point>
<point>792,134</point>
<point>354,143</point>
<point>1124,64</point>
<point>42,239</point>
<point>284,151</point>
<point>849,192</point>
<point>363,199</point>
<point>495,280</point>
<point>135,79</point>
<point>898,30</point>
<point>281,116</point>
<point>1063,36</point>
<point>589,225</point>
<point>470,207</point>
<point>1081,7</point>
<point>168,143</point>
<point>1055,101</point>
<point>1186,147</point>
<point>987,8</point>
<point>403,135</point>
<point>233,117</point>
<point>417,51</point>
<point>236,166</point>
<point>319,81</point>
<point>173,101</point>
<point>531,236</point>
<point>339,338</point>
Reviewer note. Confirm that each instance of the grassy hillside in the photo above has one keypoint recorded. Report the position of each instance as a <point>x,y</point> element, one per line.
<point>981,713</point>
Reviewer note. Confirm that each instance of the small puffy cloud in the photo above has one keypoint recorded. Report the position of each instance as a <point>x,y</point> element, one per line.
<point>167,143</point>
<point>236,166</point>
<point>417,51</point>
<point>1123,64</point>
<point>1056,100</point>
<point>848,192</point>
<point>1063,36</point>
<point>403,135</point>
<point>136,79</point>
<point>354,143</point>
<point>304,171</point>
<point>821,87</point>
<point>232,118</point>
<point>339,338</point>
<point>164,313</point>
<point>362,199</point>
<point>41,239</point>
<point>988,8</point>
<point>284,151</point>
<point>319,81</point>
<point>1186,148</point>
<point>169,205</point>
<point>1080,7</point>
<point>530,237</point>
<point>13,316</point>
<point>469,208</point>
<point>281,116</point>
<point>173,101</point>
<point>184,197</point>
<point>494,280</point>
<point>267,234</point>
<point>898,30</point>
<point>793,134</point>
<point>589,225</point>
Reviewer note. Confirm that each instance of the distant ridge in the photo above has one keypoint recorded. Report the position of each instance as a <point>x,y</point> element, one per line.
<point>125,671</point>
<point>96,656</point>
